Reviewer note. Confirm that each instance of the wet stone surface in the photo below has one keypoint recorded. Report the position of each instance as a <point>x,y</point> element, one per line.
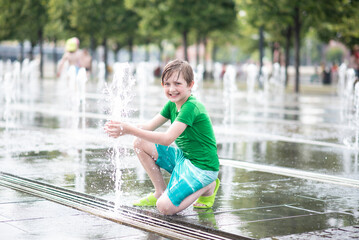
<point>249,203</point>
<point>334,233</point>
<point>23,216</point>
<point>303,133</point>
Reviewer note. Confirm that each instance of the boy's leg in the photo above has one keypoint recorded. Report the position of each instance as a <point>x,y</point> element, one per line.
<point>165,206</point>
<point>147,154</point>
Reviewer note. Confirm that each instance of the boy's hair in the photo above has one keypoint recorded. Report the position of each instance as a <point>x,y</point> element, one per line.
<point>180,67</point>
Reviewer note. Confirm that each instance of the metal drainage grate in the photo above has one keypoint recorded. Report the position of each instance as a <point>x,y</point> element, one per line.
<point>165,226</point>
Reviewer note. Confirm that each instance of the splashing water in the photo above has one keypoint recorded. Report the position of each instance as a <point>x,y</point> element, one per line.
<point>81,81</point>
<point>101,76</point>
<point>356,115</point>
<point>349,97</point>
<point>9,99</point>
<point>142,75</point>
<point>252,73</point>
<point>198,81</point>
<point>229,89</point>
<point>119,95</point>
<point>217,73</point>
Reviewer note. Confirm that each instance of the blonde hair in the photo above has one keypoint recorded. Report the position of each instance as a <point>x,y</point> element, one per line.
<point>179,66</point>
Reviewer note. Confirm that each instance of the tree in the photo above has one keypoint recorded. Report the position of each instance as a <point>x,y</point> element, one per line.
<point>213,15</point>
<point>180,16</point>
<point>34,16</point>
<point>153,25</point>
<point>270,18</point>
<point>294,16</point>
<point>23,20</point>
<point>342,24</point>
<point>193,20</point>
<point>130,27</point>
<point>10,18</point>
<point>58,26</point>
<point>97,20</point>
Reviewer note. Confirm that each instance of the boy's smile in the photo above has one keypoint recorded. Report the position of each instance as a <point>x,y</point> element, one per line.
<point>177,90</point>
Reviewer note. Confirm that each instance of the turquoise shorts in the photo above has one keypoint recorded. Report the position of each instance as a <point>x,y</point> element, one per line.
<point>185,177</point>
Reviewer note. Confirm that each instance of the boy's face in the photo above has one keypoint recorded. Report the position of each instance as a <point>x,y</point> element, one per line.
<point>176,89</point>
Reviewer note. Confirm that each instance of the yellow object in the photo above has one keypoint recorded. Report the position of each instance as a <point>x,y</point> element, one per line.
<point>208,201</point>
<point>71,45</point>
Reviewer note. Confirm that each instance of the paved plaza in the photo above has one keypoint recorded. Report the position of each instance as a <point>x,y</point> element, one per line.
<point>289,167</point>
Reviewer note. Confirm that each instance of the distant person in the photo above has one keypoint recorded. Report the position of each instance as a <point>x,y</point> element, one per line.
<point>85,60</point>
<point>354,60</point>
<point>277,54</point>
<point>194,163</point>
<point>71,55</point>
<point>327,75</point>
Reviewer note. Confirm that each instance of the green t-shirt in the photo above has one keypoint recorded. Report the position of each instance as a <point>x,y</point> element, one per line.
<point>197,142</point>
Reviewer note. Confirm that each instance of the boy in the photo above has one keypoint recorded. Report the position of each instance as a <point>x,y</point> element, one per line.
<point>194,163</point>
<point>71,55</point>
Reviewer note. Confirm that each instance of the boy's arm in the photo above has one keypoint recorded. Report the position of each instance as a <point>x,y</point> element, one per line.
<point>154,123</point>
<point>163,138</point>
<point>146,131</point>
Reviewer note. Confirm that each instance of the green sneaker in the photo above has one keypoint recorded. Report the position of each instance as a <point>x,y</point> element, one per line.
<point>148,201</point>
<point>207,202</point>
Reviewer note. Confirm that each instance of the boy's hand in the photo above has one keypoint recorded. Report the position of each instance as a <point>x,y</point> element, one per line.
<point>115,129</point>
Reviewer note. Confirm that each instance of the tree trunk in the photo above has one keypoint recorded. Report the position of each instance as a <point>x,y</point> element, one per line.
<point>204,57</point>
<point>116,55</point>
<point>21,52</point>
<point>31,53</point>
<point>147,55</point>
<point>272,51</point>
<point>116,52</point>
<point>130,49</point>
<point>297,26</point>
<point>41,41</point>
<point>185,46</point>
<point>93,48</point>
<point>287,48</point>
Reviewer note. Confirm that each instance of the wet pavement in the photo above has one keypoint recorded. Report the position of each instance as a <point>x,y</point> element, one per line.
<point>304,134</point>
<point>23,216</point>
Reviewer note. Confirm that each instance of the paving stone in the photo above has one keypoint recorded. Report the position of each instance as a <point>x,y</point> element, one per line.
<point>252,203</point>
<point>47,220</point>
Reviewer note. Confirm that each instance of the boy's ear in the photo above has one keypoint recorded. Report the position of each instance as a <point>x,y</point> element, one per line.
<point>191,84</point>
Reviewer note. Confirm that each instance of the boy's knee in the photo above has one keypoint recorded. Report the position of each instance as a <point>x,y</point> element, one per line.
<point>137,143</point>
<point>165,206</point>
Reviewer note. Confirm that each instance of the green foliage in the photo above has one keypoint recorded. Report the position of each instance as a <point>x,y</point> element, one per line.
<point>192,19</point>
<point>314,46</point>
<point>154,21</point>
<point>334,55</point>
<point>58,25</point>
<point>96,18</point>
<point>153,26</point>
<point>35,17</point>
<point>22,19</point>
<point>10,18</point>
<point>337,20</point>
<point>212,15</point>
